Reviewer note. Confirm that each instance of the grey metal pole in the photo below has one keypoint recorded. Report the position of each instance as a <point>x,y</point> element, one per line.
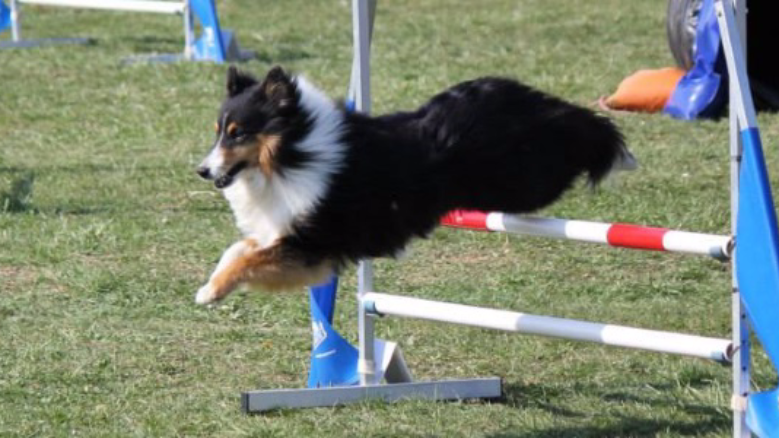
<point>738,320</point>
<point>353,81</point>
<point>366,365</point>
<point>15,17</point>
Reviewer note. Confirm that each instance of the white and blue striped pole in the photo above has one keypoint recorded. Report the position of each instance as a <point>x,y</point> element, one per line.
<point>739,328</point>
<point>333,361</point>
<point>756,260</point>
<point>361,19</point>
<point>15,17</point>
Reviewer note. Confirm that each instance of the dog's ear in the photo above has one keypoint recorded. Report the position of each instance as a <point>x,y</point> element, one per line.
<point>238,81</point>
<point>278,88</point>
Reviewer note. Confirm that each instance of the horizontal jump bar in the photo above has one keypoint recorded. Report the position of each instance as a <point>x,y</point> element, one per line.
<point>616,234</point>
<point>161,7</point>
<point>719,350</point>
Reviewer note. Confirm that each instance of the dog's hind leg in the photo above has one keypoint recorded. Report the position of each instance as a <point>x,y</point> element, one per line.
<point>273,268</point>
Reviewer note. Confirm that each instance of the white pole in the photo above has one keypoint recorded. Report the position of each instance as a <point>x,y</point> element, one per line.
<point>583,231</point>
<point>189,32</point>
<point>738,120</point>
<point>608,334</point>
<point>361,79</point>
<point>15,17</point>
<point>362,47</point>
<point>353,81</point>
<point>161,7</point>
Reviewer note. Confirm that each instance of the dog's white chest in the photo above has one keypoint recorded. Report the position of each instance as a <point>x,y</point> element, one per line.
<point>254,213</point>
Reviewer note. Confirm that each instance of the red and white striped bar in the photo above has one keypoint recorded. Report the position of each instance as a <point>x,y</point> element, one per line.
<point>719,350</point>
<point>616,234</point>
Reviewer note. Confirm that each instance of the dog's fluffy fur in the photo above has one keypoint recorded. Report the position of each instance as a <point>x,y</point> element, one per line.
<point>314,187</point>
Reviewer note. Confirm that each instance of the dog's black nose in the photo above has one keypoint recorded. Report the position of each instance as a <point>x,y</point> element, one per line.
<point>204,172</point>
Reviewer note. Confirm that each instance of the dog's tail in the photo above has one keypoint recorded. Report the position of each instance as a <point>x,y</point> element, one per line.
<point>608,154</point>
<point>623,160</point>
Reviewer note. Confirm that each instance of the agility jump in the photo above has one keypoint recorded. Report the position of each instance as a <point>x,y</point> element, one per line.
<point>215,44</point>
<point>755,284</point>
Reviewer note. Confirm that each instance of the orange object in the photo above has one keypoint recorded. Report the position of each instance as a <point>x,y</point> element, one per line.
<point>645,90</point>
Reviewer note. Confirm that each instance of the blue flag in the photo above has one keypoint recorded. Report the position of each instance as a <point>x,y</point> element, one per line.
<point>211,44</point>
<point>757,271</point>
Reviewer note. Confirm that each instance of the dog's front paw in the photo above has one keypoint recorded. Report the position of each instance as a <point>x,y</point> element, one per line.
<point>206,295</point>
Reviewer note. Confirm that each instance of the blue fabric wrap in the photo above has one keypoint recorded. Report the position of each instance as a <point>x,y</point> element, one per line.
<point>211,44</point>
<point>5,17</point>
<point>702,91</point>
<point>333,359</point>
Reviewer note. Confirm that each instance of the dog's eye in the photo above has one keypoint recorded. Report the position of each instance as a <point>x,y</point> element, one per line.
<point>238,134</point>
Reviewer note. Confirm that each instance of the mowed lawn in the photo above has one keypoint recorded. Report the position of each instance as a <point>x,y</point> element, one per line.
<point>106,233</point>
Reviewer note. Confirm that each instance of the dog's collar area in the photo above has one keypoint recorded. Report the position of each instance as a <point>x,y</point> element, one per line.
<point>225,180</point>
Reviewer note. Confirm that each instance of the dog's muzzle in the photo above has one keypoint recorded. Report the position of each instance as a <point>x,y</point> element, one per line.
<point>224,180</point>
<point>203,172</point>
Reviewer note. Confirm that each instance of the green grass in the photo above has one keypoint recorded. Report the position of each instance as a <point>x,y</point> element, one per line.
<point>106,233</point>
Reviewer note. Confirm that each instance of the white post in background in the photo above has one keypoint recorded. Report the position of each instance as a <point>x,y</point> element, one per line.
<point>15,16</point>
<point>739,326</point>
<point>354,79</point>
<point>366,367</point>
<point>189,32</point>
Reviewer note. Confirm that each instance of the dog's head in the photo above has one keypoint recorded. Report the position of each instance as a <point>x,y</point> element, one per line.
<point>256,119</point>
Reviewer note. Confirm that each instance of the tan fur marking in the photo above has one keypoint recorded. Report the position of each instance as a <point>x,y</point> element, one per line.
<point>268,145</point>
<point>271,88</point>
<point>246,152</point>
<point>228,155</point>
<point>231,128</point>
<point>271,269</point>
<point>216,127</point>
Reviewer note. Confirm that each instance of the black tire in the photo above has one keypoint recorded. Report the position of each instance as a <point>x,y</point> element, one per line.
<point>681,22</point>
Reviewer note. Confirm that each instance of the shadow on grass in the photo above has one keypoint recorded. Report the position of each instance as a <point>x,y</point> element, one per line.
<point>628,427</point>
<point>17,198</point>
<point>282,55</point>
<point>83,168</point>
<point>544,398</point>
<point>537,397</point>
<point>277,55</point>
<point>154,44</point>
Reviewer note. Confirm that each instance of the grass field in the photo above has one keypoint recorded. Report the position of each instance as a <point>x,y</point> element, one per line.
<point>106,233</point>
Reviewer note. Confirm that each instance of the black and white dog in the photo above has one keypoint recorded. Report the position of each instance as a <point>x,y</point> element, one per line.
<point>314,187</point>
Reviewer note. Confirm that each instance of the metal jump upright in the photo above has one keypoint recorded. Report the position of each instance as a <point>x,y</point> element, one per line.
<point>755,283</point>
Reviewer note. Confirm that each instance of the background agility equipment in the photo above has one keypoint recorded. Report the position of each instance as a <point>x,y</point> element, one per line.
<point>694,39</point>
<point>214,44</point>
